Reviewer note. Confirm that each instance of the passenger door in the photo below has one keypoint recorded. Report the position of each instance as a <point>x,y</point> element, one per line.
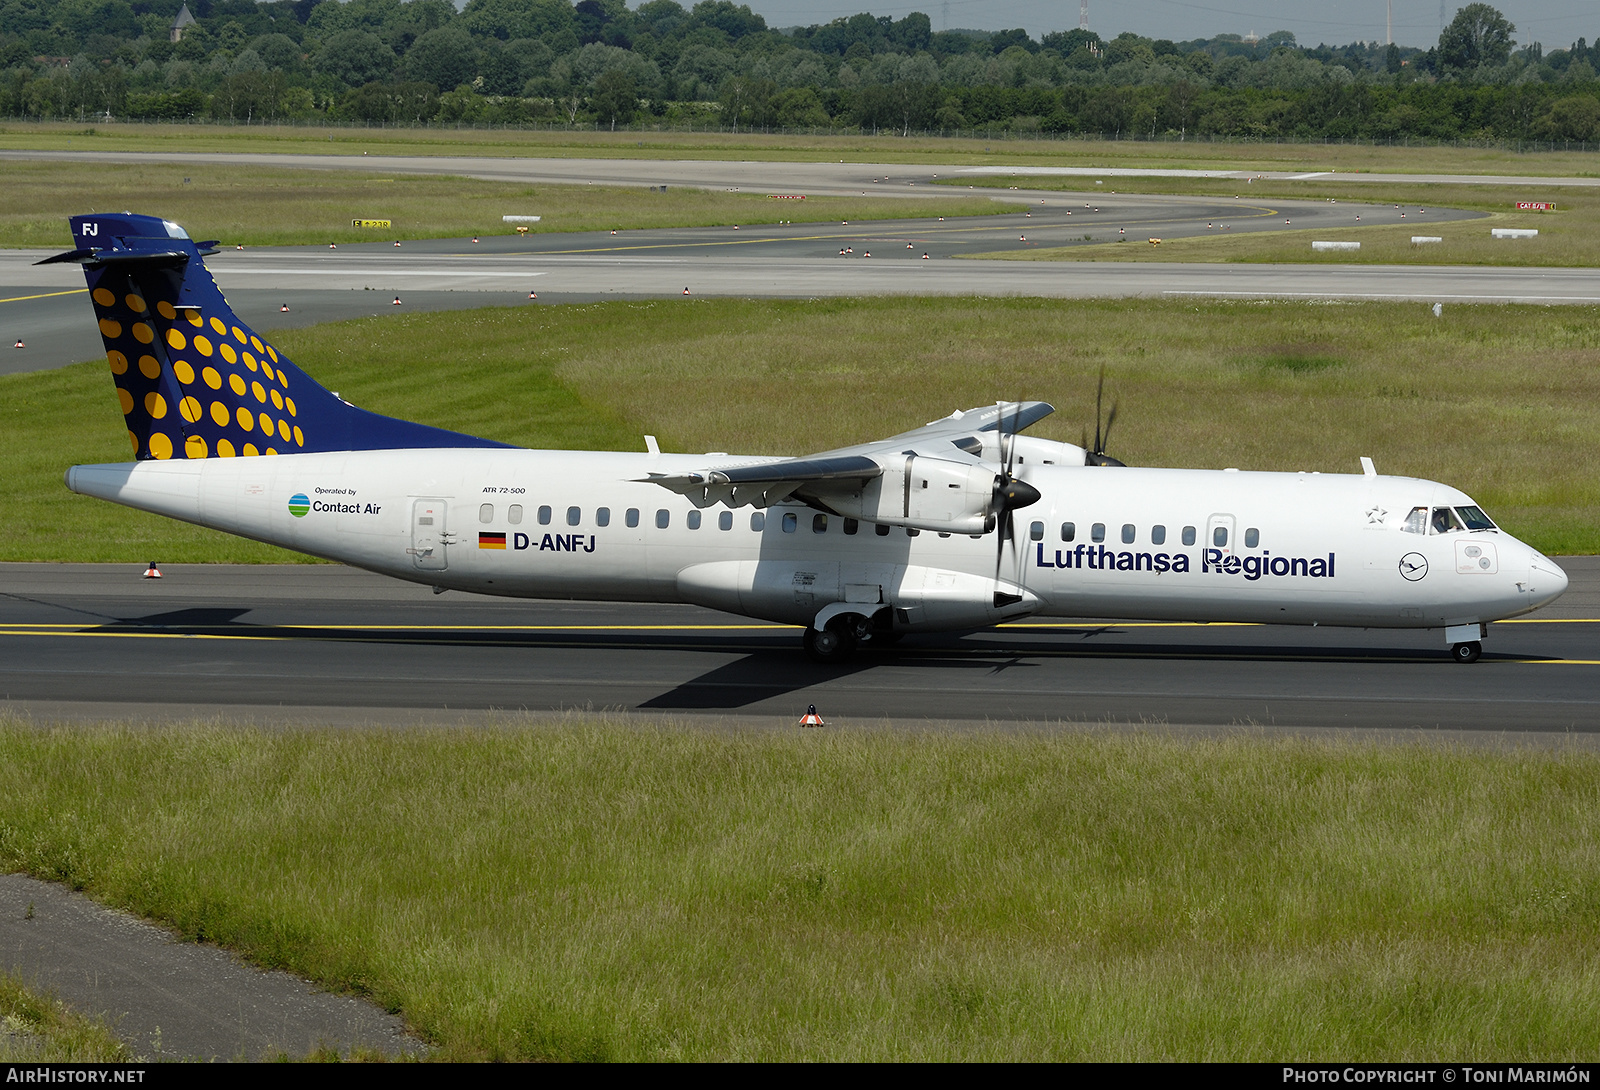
<point>429,535</point>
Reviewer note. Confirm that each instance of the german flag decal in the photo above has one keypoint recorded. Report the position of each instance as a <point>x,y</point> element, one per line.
<point>491,541</point>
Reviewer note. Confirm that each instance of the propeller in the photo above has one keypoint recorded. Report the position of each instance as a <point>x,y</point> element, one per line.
<point>1009,495</point>
<point>1096,455</point>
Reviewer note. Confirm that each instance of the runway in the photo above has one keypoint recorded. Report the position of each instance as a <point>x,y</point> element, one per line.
<point>818,176</point>
<point>45,308</point>
<point>331,644</point>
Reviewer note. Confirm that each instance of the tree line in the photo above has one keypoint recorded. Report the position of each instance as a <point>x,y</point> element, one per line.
<point>718,64</point>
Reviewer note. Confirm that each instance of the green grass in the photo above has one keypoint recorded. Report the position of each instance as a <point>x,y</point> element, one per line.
<point>1501,401</point>
<point>35,1028</point>
<point>603,890</point>
<point>1568,237</point>
<point>263,206</point>
<point>789,147</point>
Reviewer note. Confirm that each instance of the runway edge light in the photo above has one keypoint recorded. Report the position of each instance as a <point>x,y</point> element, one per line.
<point>811,718</point>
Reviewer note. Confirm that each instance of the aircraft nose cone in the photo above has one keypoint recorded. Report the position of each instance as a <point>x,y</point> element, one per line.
<point>1552,576</point>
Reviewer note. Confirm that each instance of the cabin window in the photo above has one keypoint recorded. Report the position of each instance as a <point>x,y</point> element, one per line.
<point>791,522</point>
<point>758,521</point>
<point>1158,535</point>
<point>663,519</point>
<point>1036,531</point>
<point>1219,536</point>
<point>1128,533</point>
<point>851,526</point>
<point>1475,518</point>
<point>1097,532</point>
<point>1188,535</point>
<point>819,523</point>
<point>1445,521</point>
<point>602,516</point>
<point>514,514</point>
<point>913,533</point>
<point>544,516</point>
<point>632,517</point>
<point>725,520</point>
<point>574,515</point>
<point>694,520</point>
<point>1252,538</point>
<point>1417,521</point>
<point>1069,531</point>
<point>943,534</point>
<point>486,512</point>
<point>881,530</point>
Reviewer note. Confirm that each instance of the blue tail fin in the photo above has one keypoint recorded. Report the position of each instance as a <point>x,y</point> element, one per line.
<point>193,380</point>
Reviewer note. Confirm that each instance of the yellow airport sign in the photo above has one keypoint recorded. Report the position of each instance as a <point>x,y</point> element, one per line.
<point>371,223</point>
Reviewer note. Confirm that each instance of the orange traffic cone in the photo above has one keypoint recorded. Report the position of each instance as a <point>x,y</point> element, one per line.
<point>152,572</point>
<point>811,718</point>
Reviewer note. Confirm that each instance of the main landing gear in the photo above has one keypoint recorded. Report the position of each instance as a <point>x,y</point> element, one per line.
<point>841,634</point>
<point>1467,652</point>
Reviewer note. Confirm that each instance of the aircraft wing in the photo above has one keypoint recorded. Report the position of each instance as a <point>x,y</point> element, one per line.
<point>837,480</point>
<point>1008,418</point>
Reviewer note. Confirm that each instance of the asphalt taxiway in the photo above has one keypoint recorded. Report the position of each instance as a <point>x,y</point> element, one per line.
<point>277,287</point>
<point>346,646</point>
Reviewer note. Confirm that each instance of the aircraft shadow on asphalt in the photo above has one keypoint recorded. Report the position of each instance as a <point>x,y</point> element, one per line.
<point>778,666</point>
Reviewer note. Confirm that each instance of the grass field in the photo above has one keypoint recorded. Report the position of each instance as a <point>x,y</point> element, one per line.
<point>1568,236</point>
<point>261,206</point>
<point>597,890</point>
<point>35,1028</point>
<point>789,147</point>
<point>1502,401</point>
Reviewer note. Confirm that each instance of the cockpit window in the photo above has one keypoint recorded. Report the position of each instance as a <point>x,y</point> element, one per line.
<point>1445,521</point>
<point>1475,518</point>
<point>1417,521</point>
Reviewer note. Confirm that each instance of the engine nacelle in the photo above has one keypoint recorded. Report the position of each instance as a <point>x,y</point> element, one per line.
<point>921,493</point>
<point>1030,451</point>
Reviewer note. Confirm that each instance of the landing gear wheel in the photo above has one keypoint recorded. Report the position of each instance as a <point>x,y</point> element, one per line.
<point>1467,652</point>
<point>828,646</point>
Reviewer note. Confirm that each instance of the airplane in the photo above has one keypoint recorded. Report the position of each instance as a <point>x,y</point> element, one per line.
<point>961,524</point>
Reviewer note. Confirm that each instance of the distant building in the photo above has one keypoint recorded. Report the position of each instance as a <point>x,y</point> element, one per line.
<point>183,20</point>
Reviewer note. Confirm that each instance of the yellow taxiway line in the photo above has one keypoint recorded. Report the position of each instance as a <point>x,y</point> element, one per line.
<point>46,295</point>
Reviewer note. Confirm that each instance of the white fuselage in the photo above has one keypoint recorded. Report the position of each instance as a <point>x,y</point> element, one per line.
<point>1297,548</point>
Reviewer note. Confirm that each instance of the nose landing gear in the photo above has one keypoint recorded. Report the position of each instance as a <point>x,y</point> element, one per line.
<point>1467,652</point>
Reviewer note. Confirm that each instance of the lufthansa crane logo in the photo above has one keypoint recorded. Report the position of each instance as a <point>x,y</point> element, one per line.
<point>1413,566</point>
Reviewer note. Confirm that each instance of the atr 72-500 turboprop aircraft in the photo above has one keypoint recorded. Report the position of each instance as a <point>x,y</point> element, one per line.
<point>960,524</point>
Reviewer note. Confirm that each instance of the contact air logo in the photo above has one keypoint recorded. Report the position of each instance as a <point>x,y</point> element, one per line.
<point>299,504</point>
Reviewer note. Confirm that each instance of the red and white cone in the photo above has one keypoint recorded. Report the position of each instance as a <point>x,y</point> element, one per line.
<point>284,309</point>
<point>533,295</point>
<point>396,301</point>
<point>19,344</point>
<point>152,572</point>
<point>811,718</point>
<point>686,291</point>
